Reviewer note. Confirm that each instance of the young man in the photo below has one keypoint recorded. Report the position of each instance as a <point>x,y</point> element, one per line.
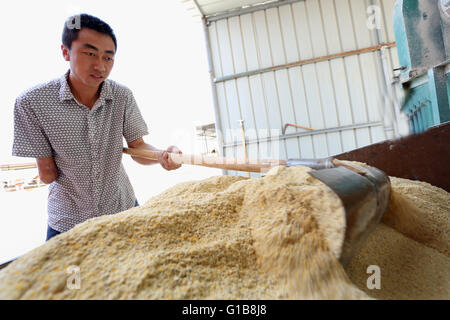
<point>74,127</point>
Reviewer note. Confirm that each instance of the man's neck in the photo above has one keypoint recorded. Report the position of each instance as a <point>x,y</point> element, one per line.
<point>85,95</point>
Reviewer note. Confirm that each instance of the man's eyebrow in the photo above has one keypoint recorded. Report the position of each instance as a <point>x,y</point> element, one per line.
<point>90,46</point>
<point>87,45</point>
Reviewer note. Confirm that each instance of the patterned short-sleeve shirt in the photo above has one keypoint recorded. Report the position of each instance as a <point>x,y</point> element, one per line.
<point>86,145</point>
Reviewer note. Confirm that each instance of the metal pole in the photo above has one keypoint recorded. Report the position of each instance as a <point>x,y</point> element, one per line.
<point>206,142</point>
<point>219,134</point>
<point>241,123</point>
<point>387,108</point>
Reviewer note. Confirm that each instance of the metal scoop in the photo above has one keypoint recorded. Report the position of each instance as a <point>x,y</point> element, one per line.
<point>365,198</point>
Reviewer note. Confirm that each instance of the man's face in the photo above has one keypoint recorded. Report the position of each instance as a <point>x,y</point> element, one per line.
<point>91,57</point>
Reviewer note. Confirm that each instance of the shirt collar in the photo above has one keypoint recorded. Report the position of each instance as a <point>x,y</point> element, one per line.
<point>66,94</point>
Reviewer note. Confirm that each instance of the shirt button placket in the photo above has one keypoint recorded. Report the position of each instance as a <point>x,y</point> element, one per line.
<point>93,159</point>
<point>97,164</point>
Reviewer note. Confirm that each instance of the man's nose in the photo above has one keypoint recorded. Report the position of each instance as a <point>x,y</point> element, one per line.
<point>99,65</point>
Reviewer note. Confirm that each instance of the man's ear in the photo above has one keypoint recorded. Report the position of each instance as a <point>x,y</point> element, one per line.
<point>65,52</point>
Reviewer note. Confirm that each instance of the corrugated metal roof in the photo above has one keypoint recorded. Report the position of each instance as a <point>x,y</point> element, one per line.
<point>213,7</point>
<point>191,7</point>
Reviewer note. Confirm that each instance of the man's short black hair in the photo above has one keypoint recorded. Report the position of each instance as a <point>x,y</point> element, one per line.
<point>73,25</point>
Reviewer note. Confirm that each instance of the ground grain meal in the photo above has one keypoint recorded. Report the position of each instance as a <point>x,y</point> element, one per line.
<point>221,238</point>
<point>411,245</point>
<point>276,237</point>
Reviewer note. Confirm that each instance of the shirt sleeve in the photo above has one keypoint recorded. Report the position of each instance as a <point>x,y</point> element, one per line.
<point>29,138</point>
<point>134,126</point>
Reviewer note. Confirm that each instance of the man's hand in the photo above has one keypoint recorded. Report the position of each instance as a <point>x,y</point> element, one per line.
<point>165,161</point>
<point>163,155</point>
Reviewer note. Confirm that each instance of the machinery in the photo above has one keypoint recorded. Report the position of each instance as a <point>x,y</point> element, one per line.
<point>422,32</point>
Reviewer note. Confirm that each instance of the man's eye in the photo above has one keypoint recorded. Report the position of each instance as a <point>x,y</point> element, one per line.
<point>90,54</point>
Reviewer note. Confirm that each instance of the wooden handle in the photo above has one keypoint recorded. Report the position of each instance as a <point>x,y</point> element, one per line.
<point>212,162</point>
<point>243,143</point>
<point>339,163</point>
<point>251,165</point>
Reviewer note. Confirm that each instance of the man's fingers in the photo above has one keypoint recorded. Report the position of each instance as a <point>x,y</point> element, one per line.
<point>163,159</point>
<point>173,165</point>
<point>166,161</point>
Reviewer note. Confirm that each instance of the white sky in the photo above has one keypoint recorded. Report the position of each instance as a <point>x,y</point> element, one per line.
<point>161,57</point>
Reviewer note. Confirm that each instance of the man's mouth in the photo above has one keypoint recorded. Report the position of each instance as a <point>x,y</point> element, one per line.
<point>96,77</point>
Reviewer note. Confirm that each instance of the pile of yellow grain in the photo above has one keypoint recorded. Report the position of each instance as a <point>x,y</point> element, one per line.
<point>410,246</point>
<point>276,237</point>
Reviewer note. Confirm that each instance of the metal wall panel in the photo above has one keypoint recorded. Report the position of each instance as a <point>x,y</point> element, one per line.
<point>344,92</point>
